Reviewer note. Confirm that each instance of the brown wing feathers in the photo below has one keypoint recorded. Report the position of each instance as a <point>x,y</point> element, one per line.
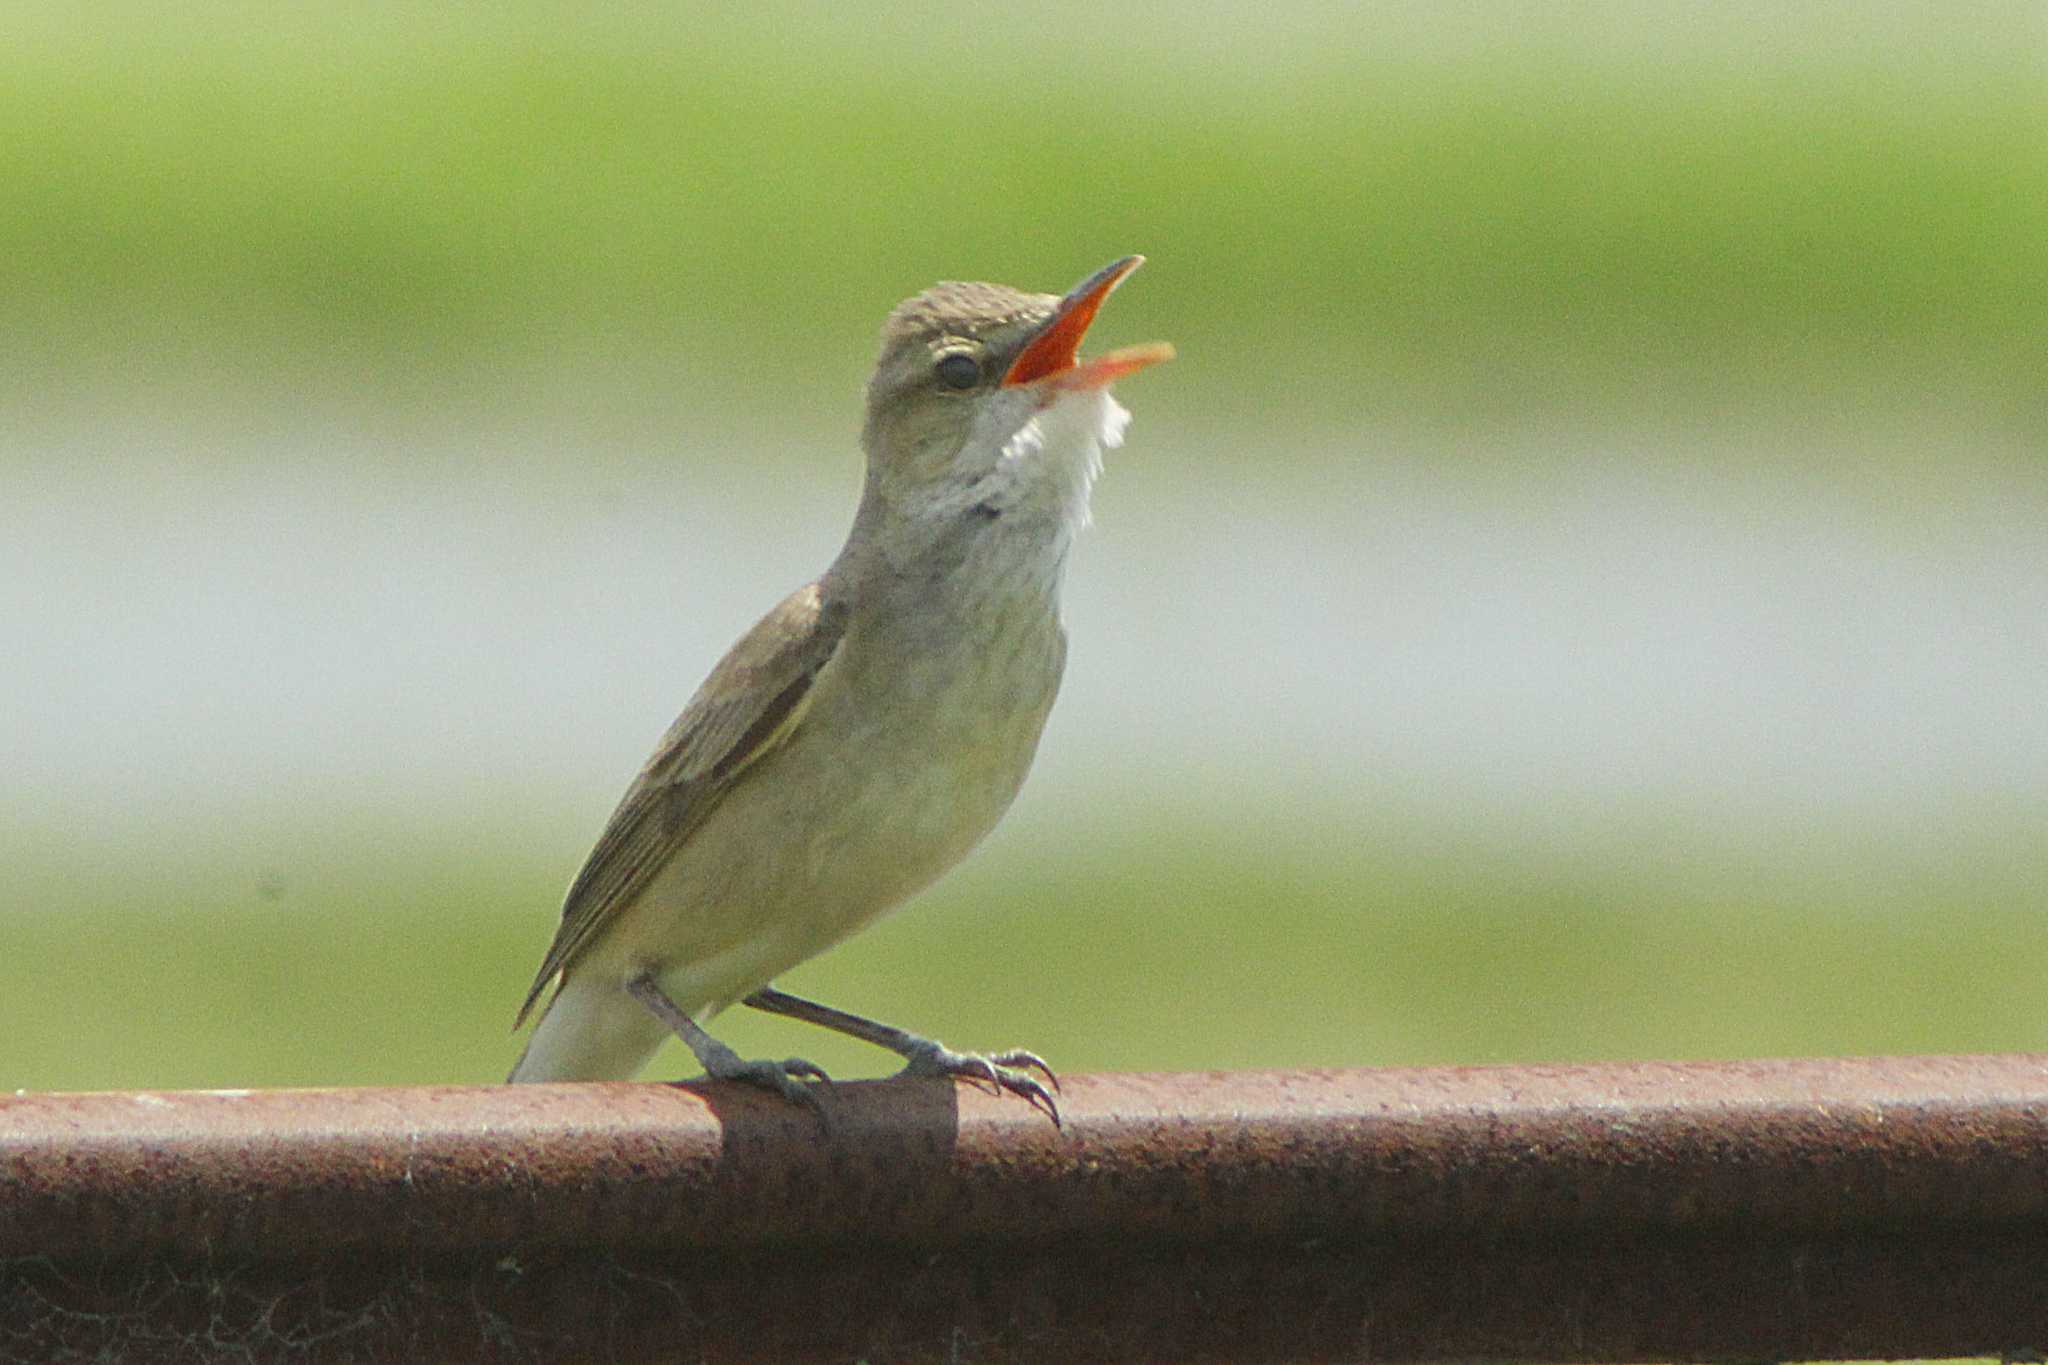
<point>745,708</point>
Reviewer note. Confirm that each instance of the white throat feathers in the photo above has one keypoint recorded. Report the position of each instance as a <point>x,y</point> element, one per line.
<point>1052,461</point>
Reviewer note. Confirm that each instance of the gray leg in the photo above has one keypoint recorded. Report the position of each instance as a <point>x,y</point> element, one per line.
<point>720,1062</point>
<point>923,1056</point>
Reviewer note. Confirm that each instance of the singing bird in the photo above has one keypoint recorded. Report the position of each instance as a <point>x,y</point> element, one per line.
<point>873,726</point>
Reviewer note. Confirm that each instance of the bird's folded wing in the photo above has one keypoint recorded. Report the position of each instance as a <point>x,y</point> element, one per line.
<point>751,702</point>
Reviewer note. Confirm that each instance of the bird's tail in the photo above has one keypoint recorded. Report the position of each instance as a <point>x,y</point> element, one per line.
<point>591,1031</point>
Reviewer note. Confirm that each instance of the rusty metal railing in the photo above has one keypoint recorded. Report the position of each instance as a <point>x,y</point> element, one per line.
<point>1764,1210</point>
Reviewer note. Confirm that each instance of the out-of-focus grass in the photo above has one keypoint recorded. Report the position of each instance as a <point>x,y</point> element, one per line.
<point>1176,948</point>
<point>669,221</point>
<point>395,206</point>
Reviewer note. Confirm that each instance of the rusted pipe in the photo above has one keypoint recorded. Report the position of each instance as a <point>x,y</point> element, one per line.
<point>1794,1209</point>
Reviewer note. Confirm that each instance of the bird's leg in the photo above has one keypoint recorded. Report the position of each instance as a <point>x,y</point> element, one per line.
<point>720,1062</point>
<point>999,1071</point>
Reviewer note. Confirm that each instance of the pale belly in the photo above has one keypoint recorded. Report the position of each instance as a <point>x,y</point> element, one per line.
<point>862,808</point>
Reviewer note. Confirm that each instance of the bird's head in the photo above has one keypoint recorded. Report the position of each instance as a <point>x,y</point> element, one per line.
<point>980,398</point>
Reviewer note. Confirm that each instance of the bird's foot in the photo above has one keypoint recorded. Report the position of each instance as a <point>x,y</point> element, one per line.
<point>786,1077</point>
<point>995,1072</point>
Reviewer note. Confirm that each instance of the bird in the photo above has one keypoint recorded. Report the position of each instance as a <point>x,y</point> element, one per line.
<point>873,727</point>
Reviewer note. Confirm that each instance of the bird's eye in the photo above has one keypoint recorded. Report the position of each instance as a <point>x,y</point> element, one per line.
<point>958,370</point>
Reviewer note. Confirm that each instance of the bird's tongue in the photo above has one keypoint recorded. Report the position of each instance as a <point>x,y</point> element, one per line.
<point>1102,370</point>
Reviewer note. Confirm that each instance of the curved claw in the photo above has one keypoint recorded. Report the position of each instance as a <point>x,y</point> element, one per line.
<point>979,1071</point>
<point>1034,1094</point>
<point>810,1071</point>
<point>998,1073</point>
<point>1019,1057</point>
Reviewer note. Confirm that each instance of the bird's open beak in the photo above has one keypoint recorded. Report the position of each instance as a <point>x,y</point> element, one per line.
<point>1053,357</point>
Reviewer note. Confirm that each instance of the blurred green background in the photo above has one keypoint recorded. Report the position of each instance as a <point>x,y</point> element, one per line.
<point>1581,593</point>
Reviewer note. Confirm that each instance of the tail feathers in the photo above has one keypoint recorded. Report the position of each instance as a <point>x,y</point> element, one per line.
<point>590,1031</point>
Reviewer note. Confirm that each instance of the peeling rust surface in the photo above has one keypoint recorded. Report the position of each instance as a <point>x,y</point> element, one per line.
<point>1841,1209</point>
